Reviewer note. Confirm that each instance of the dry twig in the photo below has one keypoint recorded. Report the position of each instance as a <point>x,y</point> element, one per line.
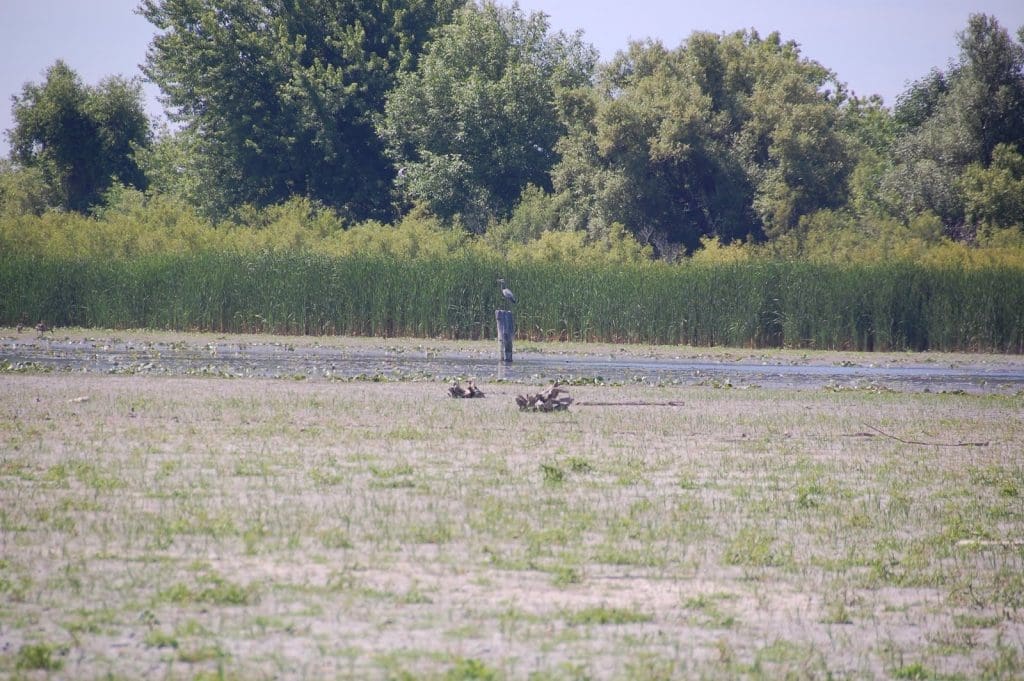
<point>930,444</point>
<point>552,398</point>
<point>640,403</point>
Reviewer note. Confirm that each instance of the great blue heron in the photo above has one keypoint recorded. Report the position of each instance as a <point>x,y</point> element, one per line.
<point>506,292</point>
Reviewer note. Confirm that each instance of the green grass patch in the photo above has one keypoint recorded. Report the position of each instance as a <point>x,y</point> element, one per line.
<point>604,615</point>
<point>40,656</point>
<point>211,589</point>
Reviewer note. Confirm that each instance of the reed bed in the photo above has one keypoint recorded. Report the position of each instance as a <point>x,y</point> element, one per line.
<point>761,303</point>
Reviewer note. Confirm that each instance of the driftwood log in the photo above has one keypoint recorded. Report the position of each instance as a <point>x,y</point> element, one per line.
<point>470,390</point>
<point>552,398</point>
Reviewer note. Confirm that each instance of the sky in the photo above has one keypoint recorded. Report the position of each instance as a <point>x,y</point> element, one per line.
<point>874,46</point>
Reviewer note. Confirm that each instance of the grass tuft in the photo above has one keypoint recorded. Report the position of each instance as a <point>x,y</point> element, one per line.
<point>40,656</point>
<point>603,615</point>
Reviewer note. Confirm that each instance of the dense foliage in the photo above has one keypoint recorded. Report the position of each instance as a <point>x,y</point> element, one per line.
<point>150,261</point>
<point>953,124</point>
<point>278,98</point>
<point>72,140</point>
<point>347,140</point>
<point>474,125</point>
<point>728,136</point>
<point>484,118</point>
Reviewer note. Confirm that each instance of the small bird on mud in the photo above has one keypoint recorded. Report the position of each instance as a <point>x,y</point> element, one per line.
<point>42,327</point>
<point>506,292</point>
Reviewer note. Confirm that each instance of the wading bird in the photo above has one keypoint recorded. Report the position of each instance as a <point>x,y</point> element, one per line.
<point>506,292</point>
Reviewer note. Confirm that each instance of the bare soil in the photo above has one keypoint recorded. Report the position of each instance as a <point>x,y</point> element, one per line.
<point>177,527</point>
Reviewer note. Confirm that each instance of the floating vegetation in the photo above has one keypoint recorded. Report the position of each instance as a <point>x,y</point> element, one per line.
<point>25,368</point>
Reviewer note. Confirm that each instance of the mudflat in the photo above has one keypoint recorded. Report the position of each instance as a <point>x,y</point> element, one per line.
<point>346,358</point>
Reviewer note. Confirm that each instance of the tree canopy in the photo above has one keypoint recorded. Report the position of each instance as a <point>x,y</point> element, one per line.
<point>478,115</point>
<point>278,97</point>
<point>727,135</point>
<point>79,138</point>
<point>957,119</point>
<point>477,122</point>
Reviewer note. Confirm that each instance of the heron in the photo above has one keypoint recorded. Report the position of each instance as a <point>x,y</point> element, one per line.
<point>509,296</point>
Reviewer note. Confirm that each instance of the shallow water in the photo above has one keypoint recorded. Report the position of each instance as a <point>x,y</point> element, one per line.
<point>316,362</point>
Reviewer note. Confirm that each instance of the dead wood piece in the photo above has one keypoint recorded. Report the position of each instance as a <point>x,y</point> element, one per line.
<point>1004,543</point>
<point>641,403</point>
<point>552,391</point>
<point>470,390</point>
<point>985,443</point>
<point>559,404</point>
<point>552,398</point>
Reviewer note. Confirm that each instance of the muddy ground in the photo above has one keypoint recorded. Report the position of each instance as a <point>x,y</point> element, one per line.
<point>333,358</point>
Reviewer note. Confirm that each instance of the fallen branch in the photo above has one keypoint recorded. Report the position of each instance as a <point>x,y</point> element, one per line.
<point>929,444</point>
<point>552,398</point>
<point>1007,543</point>
<point>630,404</point>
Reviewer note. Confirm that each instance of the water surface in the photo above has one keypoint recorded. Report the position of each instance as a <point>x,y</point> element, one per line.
<point>314,361</point>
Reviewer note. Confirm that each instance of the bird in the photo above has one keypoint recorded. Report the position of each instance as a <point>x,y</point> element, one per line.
<point>509,296</point>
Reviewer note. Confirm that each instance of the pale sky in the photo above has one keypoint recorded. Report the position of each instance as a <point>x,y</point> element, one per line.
<point>875,46</point>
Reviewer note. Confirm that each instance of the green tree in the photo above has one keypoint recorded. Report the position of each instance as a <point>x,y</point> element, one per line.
<point>955,120</point>
<point>921,100</point>
<point>994,196</point>
<point>477,122</point>
<point>727,136</point>
<point>171,166</point>
<point>792,144</point>
<point>79,138</point>
<point>277,97</point>
<point>24,191</point>
<point>870,130</point>
<point>989,95</point>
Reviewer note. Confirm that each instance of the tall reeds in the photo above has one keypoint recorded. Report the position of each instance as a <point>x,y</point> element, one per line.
<point>759,303</point>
